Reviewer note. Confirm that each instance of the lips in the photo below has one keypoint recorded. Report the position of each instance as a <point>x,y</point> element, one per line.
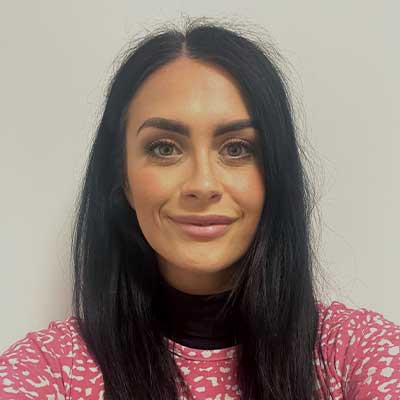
<point>212,219</point>
<point>202,232</point>
<point>203,227</point>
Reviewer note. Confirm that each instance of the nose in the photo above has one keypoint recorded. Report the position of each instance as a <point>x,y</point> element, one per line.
<point>203,182</point>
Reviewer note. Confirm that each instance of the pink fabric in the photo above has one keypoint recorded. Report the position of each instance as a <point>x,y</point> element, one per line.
<point>359,358</point>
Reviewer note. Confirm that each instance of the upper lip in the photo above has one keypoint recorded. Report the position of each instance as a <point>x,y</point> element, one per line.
<point>211,219</point>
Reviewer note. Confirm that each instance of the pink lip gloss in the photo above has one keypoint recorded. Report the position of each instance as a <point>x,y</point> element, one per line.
<point>203,232</point>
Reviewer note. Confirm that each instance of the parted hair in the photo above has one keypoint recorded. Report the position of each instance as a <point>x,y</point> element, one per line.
<point>115,269</point>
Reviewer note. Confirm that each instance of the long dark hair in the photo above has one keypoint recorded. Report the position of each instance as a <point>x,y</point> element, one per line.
<point>115,270</point>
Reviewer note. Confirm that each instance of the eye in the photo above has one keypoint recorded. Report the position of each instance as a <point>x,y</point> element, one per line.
<point>157,144</point>
<point>237,144</point>
<point>162,144</point>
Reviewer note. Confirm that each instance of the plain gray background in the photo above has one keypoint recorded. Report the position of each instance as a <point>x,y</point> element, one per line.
<point>56,59</point>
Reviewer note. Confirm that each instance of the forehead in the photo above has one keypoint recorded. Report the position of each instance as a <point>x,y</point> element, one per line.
<point>189,90</point>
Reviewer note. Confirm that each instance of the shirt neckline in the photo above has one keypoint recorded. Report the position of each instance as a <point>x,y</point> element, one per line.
<point>191,353</point>
<point>194,319</point>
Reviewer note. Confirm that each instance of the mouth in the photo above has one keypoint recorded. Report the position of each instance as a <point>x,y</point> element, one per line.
<point>198,231</point>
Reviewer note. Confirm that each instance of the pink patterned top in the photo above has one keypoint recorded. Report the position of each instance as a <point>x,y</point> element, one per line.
<point>359,359</point>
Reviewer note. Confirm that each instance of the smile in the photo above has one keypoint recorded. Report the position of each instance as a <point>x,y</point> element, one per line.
<point>203,231</point>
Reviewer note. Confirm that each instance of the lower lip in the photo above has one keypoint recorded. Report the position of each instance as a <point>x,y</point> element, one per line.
<point>203,232</point>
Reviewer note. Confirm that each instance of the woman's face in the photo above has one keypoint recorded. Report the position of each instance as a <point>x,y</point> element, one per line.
<point>198,174</point>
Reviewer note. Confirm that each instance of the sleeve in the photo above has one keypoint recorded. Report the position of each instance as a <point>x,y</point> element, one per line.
<point>371,357</point>
<point>35,367</point>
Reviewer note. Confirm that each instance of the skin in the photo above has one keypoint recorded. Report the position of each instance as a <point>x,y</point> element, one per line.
<point>199,174</point>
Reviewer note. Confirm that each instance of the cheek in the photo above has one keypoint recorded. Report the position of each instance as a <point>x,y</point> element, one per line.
<point>148,187</point>
<point>249,191</point>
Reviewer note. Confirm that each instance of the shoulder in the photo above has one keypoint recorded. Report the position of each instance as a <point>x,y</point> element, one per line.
<point>358,325</point>
<point>54,342</point>
<point>51,361</point>
<point>358,350</point>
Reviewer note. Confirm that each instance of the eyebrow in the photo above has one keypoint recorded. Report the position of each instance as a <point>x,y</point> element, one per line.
<point>183,129</point>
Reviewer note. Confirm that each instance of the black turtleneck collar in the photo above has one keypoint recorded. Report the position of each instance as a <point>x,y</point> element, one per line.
<point>191,320</point>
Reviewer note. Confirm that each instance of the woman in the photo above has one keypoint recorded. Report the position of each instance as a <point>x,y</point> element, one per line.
<point>193,266</point>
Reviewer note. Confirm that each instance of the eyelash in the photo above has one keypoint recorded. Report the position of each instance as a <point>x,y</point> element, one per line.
<point>149,148</point>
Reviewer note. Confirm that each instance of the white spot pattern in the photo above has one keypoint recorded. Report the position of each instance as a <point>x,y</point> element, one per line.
<point>356,356</point>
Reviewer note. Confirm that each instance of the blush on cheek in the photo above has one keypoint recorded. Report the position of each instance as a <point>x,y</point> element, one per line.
<point>151,184</point>
<point>243,185</point>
